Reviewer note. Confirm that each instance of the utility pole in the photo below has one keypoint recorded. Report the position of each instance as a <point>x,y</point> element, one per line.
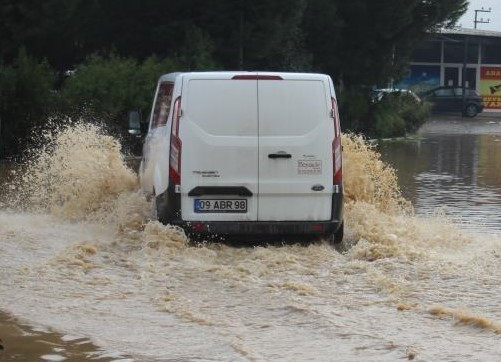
<point>465,65</point>
<point>481,21</point>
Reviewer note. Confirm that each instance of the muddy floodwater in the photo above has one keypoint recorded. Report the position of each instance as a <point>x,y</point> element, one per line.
<point>453,164</point>
<point>24,342</point>
<point>87,276</point>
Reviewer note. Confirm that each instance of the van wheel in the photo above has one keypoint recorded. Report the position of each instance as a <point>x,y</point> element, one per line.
<point>154,208</point>
<point>470,110</point>
<point>157,214</point>
<point>337,237</point>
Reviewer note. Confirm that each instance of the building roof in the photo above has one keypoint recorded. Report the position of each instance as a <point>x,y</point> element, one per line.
<point>473,32</point>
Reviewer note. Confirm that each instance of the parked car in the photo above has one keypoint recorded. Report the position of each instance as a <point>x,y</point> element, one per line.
<point>233,153</point>
<point>450,99</point>
<point>377,95</point>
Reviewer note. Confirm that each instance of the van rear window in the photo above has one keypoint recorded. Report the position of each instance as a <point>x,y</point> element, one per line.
<point>292,107</point>
<point>162,105</point>
<point>223,107</point>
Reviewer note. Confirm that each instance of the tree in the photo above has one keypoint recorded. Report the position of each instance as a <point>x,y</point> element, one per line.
<point>363,42</point>
<point>25,98</point>
<point>48,29</point>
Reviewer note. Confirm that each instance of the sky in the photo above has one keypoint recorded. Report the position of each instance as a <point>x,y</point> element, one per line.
<point>466,20</point>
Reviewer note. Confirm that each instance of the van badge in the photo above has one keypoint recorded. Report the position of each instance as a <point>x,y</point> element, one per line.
<point>309,167</point>
<point>317,187</point>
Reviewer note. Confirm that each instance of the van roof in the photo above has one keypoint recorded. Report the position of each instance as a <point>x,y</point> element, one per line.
<point>171,77</point>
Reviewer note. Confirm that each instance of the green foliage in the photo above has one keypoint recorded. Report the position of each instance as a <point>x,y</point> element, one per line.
<point>354,107</point>
<point>388,121</point>
<point>26,96</point>
<point>49,29</point>
<point>364,42</point>
<point>231,34</point>
<point>113,85</point>
<point>397,115</point>
<point>273,36</point>
<point>414,114</point>
<point>360,42</point>
<point>197,51</point>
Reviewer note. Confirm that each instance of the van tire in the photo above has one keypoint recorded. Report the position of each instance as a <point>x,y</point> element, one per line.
<point>154,208</point>
<point>337,237</point>
<point>157,212</point>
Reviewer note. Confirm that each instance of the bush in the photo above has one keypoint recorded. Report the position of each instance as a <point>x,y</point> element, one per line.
<point>354,107</point>
<point>414,115</point>
<point>114,85</point>
<point>394,116</point>
<point>398,114</point>
<point>104,89</point>
<point>388,121</point>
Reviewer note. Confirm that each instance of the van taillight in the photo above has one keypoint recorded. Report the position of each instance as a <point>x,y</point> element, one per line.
<point>337,158</point>
<point>338,161</point>
<point>175,145</point>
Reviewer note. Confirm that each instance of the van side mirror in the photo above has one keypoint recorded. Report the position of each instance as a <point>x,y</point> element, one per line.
<point>134,118</point>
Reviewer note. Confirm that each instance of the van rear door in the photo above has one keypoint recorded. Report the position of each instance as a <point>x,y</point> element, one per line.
<point>219,159</point>
<point>295,148</point>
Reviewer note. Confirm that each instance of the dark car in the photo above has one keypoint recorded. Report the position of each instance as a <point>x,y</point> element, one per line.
<point>451,99</point>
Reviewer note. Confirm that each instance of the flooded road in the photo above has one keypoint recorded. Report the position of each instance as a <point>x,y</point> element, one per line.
<point>83,259</point>
<point>453,164</point>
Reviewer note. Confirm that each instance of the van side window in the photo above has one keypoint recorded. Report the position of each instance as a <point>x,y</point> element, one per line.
<point>162,105</point>
<point>444,92</point>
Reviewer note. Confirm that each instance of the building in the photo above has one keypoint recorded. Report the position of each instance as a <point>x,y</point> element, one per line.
<point>456,56</point>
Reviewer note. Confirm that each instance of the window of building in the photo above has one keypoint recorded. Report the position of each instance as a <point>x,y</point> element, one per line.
<point>427,52</point>
<point>454,52</point>
<point>491,52</point>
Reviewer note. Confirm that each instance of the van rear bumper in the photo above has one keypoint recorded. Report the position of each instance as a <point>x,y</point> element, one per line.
<point>259,227</point>
<point>170,213</point>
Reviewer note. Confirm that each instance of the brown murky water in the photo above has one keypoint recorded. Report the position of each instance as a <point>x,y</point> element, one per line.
<point>23,342</point>
<point>83,259</point>
<point>454,164</point>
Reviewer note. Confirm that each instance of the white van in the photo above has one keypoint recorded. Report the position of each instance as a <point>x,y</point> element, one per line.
<point>246,153</point>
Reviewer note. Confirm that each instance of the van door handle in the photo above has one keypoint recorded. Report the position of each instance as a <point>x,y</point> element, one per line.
<point>280,155</point>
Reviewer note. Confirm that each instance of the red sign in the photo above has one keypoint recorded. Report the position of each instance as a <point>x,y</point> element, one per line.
<point>493,73</point>
<point>490,87</point>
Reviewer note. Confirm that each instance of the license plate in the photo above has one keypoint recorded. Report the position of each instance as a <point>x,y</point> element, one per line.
<point>220,205</point>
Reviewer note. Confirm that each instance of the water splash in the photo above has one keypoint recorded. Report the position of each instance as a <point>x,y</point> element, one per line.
<point>77,174</point>
<point>382,221</point>
<point>368,179</point>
